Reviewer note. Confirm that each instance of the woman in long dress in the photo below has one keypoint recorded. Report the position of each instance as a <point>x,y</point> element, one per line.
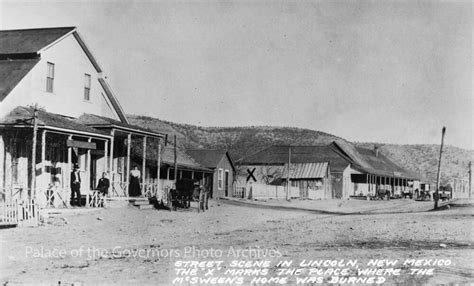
<point>134,187</point>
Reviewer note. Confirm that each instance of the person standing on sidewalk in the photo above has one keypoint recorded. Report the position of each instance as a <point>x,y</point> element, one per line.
<point>75,187</point>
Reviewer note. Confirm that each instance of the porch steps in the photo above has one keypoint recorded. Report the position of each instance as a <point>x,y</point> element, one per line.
<point>144,207</point>
<point>141,203</point>
<point>8,224</point>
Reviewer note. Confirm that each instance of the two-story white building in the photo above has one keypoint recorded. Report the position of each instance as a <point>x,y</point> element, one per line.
<point>51,85</point>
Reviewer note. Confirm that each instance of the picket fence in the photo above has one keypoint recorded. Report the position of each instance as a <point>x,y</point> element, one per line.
<point>262,191</point>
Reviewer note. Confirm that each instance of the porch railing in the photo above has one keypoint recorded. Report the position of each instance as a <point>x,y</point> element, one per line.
<point>149,190</point>
<point>239,192</point>
<point>57,197</point>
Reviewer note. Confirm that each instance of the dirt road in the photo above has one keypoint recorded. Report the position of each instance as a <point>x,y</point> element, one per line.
<point>98,247</point>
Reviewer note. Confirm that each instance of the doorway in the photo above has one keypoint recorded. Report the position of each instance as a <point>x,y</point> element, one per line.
<point>226,183</point>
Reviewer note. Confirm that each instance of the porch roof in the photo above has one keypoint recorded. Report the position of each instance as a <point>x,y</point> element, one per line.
<point>105,123</point>
<point>184,161</point>
<point>23,117</point>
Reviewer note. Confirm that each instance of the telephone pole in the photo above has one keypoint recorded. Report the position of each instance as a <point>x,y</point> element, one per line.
<point>175,162</point>
<point>288,175</point>
<point>470,179</point>
<point>436,197</point>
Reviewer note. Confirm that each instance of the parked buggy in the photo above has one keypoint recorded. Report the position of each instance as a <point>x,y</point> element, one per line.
<point>445,193</point>
<point>422,195</point>
<point>186,191</point>
<point>383,193</point>
<point>407,194</point>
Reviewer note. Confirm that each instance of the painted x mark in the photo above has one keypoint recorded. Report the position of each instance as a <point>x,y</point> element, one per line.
<point>251,176</point>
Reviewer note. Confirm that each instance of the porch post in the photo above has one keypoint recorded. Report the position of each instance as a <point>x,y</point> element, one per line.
<point>167,173</point>
<point>88,157</point>
<point>69,162</point>
<point>43,159</point>
<point>69,154</point>
<point>43,151</point>
<point>126,174</point>
<point>192,175</point>
<point>158,165</point>
<point>2,160</point>
<point>106,160</point>
<point>144,162</point>
<point>367,181</point>
<point>372,182</point>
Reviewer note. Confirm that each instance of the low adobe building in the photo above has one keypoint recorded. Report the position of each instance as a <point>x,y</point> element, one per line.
<point>346,170</point>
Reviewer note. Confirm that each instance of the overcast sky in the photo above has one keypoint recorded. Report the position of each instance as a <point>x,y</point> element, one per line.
<point>384,71</point>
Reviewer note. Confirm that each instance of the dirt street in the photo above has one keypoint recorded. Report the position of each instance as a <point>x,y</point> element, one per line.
<point>97,247</point>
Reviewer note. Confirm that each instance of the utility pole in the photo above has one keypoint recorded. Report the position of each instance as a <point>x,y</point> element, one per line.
<point>33,152</point>
<point>288,175</point>
<point>175,163</point>
<point>436,197</point>
<point>470,179</point>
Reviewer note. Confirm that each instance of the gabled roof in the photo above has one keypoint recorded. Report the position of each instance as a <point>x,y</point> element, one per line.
<point>208,157</point>
<point>23,117</point>
<point>102,122</point>
<point>25,41</point>
<point>113,100</point>
<point>12,72</point>
<point>366,160</point>
<point>278,155</point>
<point>27,44</point>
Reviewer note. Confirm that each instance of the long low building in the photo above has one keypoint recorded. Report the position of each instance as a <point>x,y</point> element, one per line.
<point>350,171</point>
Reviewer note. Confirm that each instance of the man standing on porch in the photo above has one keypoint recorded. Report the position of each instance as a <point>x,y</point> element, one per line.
<point>75,186</point>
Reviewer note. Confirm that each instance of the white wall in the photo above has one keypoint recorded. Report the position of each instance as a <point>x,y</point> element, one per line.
<point>67,98</point>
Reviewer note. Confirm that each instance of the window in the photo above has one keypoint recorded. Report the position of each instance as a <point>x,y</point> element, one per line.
<point>87,87</point>
<point>50,77</point>
<point>220,179</point>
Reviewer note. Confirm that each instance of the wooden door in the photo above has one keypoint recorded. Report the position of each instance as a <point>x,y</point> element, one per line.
<point>226,183</point>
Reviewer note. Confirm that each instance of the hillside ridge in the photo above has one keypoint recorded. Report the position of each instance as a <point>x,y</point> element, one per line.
<point>242,141</point>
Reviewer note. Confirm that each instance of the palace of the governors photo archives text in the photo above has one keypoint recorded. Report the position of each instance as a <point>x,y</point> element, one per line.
<point>148,143</point>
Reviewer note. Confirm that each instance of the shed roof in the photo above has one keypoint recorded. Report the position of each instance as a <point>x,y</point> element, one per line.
<point>306,170</point>
<point>24,41</point>
<point>278,155</point>
<point>12,72</point>
<point>103,122</point>
<point>208,157</point>
<point>23,116</point>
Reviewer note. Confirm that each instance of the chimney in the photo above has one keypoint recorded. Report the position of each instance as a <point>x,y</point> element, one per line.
<point>376,150</point>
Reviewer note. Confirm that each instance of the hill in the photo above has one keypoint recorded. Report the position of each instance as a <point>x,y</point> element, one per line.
<point>242,141</point>
<point>423,159</point>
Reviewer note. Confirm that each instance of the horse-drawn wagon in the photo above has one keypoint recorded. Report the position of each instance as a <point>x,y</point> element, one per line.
<point>186,191</point>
